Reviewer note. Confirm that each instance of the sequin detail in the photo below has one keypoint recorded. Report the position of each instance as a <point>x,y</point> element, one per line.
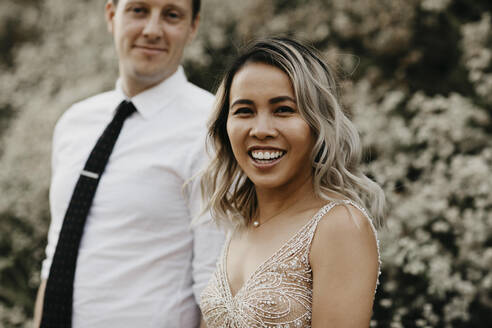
<point>277,294</point>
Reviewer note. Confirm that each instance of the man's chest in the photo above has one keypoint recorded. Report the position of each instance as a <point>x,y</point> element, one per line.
<point>146,170</point>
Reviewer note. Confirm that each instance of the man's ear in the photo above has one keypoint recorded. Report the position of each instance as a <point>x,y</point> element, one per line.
<point>194,27</point>
<point>110,10</point>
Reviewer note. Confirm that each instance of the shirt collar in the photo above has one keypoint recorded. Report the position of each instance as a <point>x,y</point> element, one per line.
<point>153,100</point>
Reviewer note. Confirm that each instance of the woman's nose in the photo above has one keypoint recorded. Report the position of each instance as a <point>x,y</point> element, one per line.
<point>263,127</point>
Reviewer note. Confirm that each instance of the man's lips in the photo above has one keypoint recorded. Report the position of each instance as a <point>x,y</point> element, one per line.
<point>149,49</point>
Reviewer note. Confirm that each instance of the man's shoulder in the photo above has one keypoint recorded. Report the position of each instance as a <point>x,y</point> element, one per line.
<point>88,105</point>
<point>100,99</point>
<point>197,97</point>
<point>199,91</point>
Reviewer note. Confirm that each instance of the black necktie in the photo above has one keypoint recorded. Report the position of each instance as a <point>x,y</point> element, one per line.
<point>57,308</point>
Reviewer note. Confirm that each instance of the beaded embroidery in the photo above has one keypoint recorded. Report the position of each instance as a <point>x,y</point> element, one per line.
<point>278,293</point>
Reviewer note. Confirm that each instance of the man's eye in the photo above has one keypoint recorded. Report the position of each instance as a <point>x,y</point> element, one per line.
<point>138,10</point>
<point>174,15</point>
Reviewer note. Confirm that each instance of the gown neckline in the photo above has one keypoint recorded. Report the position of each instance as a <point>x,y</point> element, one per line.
<point>268,259</point>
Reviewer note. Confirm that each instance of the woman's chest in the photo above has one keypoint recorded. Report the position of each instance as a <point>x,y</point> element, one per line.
<point>251,253</point>
<point>272,289</point>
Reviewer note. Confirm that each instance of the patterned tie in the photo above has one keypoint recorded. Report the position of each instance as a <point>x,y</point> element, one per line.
<point>57,308</point>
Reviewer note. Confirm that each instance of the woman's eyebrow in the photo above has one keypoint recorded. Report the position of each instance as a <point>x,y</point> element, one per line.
<point>243,102</point>
<point>280,99</point>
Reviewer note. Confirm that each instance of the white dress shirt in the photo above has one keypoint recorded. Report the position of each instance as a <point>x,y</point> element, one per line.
<point>140,263</point>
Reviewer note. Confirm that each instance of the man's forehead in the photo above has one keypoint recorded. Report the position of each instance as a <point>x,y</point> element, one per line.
<point>185,4</point>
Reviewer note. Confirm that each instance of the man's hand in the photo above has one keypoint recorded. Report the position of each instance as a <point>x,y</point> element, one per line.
<point>38,307</point>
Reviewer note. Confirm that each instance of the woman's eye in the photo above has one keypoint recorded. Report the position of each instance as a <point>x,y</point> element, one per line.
<point>285,109</point>
<point>242,110</point>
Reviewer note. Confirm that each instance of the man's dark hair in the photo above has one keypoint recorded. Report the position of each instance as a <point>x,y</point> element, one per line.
<point>195,3</point>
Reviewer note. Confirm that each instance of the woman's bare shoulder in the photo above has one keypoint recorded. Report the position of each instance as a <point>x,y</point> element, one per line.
<point>346,231</point>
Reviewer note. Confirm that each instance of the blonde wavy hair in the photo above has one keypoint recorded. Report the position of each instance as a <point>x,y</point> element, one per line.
<point>230,195</point>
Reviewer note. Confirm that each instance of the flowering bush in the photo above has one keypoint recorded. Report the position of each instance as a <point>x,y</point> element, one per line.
<point>416,78</point>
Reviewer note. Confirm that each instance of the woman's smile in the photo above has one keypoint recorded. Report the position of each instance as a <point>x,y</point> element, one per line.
<point>266,157</point>
<point>271,141</point>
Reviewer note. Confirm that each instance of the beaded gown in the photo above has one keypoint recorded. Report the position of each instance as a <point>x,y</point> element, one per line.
<point>277,294</point>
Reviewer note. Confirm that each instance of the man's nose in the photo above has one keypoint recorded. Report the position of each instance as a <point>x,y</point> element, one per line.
<point>263,127</point>
<point>153,29</point>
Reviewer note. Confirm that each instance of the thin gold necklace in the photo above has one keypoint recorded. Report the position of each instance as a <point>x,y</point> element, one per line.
<point>257,223</point>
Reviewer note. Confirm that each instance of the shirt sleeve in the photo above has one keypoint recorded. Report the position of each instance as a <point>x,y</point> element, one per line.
<point>208,240</point>
<point>55,225</point>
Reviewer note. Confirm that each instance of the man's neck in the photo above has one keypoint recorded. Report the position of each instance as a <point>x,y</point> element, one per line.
<point>133,89</point>
<point>132,86</point>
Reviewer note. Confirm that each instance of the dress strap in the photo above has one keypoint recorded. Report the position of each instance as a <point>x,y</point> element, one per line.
<point>325,209</point>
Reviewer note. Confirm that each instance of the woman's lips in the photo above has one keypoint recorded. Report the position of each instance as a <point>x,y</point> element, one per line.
<point>266,158</point>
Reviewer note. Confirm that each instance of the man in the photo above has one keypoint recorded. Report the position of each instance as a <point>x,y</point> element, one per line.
<point>139,263</point>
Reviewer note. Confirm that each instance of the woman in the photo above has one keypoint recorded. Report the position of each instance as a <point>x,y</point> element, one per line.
<point>301,250</point>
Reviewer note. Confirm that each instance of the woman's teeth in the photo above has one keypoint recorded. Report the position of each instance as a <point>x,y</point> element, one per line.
<point>267,155</point>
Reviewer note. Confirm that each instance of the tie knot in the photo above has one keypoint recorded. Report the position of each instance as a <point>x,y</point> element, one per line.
<point>125,109</point>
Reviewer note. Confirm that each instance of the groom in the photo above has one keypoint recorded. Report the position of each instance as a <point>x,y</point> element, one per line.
<point>138,263</point>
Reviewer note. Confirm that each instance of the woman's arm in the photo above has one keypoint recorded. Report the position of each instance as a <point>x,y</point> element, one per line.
<point>345,264</point>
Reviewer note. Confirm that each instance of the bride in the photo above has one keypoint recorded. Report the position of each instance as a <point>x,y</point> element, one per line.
<point>302,249</point>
